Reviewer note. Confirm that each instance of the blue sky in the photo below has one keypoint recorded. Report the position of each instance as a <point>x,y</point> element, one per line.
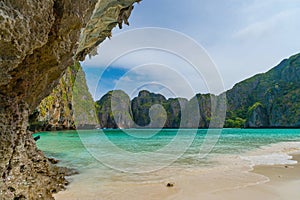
<point>242,38</point>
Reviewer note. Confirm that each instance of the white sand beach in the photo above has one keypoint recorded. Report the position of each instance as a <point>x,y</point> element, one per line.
<point>234,178</point>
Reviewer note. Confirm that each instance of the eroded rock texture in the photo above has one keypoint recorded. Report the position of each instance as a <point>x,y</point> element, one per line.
<point>269,99</point>
<point>258,117</point>
<point>113,110</point>
<point>38,40</point>
<point>69,97</point>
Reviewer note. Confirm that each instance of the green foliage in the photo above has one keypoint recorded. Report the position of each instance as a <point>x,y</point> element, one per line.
<point>250,110</point>
<point>276,91</point>
<point>235,123</point>
<point>69,97</point>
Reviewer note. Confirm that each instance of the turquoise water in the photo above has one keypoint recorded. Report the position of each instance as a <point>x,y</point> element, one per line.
<point>67,146</point>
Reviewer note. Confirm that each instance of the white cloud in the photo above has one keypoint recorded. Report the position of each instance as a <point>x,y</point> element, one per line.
<point>177,58</point>
<point>243,38</point>
<point>161,79</point>
<point>268,27</point>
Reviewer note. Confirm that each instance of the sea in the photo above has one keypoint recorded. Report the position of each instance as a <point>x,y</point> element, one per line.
<point>104,157</point>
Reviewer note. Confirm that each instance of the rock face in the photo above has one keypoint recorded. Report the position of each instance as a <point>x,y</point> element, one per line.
<point>270,99</point>
<point>257,117</point>
<point>147,110</point>
<point>263,101</point>
<point>150,110</point>
<point>56,112</point>
<point>204,102</point>
<point>39,40</point>
<point>174,107</point>
<point>141,105</point>
<point>118,117</point>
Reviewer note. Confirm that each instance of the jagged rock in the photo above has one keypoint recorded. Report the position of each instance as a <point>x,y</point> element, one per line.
<point>106,16</point>
<point>174,107</point>
<point>277,90</point>
<point>258,117</point>
<point>114,110</point>
<point>150,110</point>
<point>70,97</point>
<point>266,100</point>
<point>141,105</point>
<point>39,40</point>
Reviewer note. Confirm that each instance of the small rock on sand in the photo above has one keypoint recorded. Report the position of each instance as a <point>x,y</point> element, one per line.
<point>170,184</point>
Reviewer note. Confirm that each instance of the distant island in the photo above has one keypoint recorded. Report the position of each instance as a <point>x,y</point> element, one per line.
<point>267,100</point>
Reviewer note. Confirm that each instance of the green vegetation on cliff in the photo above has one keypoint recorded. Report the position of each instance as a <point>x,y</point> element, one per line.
<point>150,110</point>
<point>270,99</point>
<point>113,110</point>
<point>69,106</point>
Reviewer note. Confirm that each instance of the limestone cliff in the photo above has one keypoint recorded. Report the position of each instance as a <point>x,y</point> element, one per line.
<point>257,116</point>
<point>38,41</point>
<point>141,105</point>
<point>265,100</point>
<point>56,112</point>
<point>113,110</point>
<point>150,110</point>
<point>270,99</point>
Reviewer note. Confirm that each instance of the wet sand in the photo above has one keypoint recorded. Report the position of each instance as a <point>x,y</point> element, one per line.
<point>234,181</point>
<point>283,184</point>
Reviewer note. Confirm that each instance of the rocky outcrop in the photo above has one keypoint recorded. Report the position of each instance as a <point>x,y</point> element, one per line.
<point>268,100</point>
<point>113,110</point>
<point>204,102</point>
<point>174,107</point>
<point>258,117</point>
<point>39,40</point>
<point>70,96</point>
<point>276,92</point>
<point>55,111</point>
<point>141,106</point>
<point>150,110</point>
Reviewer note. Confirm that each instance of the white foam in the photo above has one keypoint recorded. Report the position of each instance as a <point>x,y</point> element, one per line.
<point>271,159</point>
<point>275,154</point>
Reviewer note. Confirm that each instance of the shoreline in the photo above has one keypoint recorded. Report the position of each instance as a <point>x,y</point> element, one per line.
<point>283,183</point>
<point>232,179</point>
<point>280,173</point>
<point>280,183</point>
<point>284,179</point>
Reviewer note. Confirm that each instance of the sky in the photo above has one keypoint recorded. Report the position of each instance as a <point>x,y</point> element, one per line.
<point>231,40</point>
